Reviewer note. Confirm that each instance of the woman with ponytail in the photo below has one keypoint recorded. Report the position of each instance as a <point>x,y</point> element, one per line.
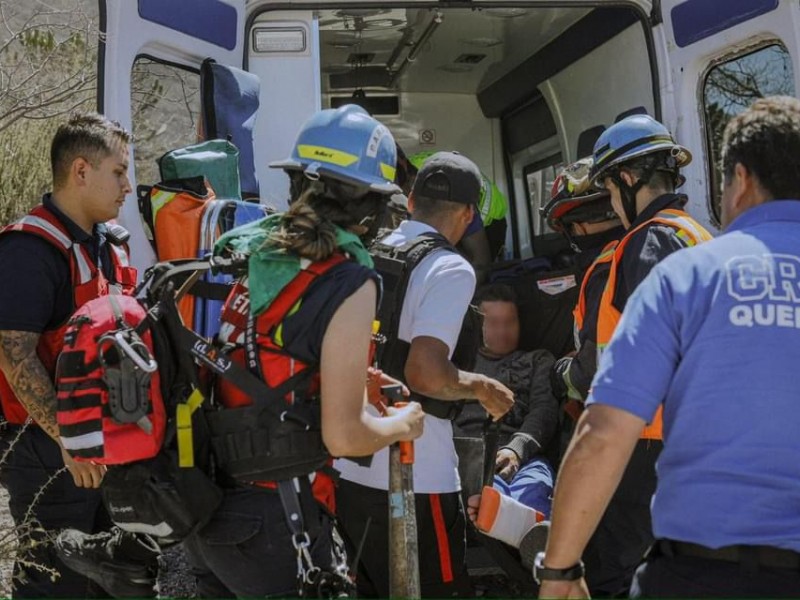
<point>301,321</point>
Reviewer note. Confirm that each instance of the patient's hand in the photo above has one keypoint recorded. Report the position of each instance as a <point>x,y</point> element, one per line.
<point>473,504</point>
<point>506,464</point>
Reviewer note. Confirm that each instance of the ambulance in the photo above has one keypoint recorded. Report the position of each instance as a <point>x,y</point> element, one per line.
<point>520,87</point>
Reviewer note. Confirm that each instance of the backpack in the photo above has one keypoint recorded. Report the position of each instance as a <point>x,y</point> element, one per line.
<point>129,397</point>
<point>216,160</point>
<point>270,426</point>
<point>395,265</point>
<point>110,402</point>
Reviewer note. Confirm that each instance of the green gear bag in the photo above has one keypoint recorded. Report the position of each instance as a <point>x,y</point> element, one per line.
<point>216,160</point>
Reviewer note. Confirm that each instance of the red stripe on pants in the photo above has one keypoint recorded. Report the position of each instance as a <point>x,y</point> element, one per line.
<point>441,539</point>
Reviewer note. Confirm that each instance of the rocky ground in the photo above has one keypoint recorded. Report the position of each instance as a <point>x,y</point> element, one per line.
<point>175,580</point>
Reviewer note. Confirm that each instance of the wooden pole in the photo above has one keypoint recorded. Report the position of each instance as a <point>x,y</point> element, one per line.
<point>403,548</point>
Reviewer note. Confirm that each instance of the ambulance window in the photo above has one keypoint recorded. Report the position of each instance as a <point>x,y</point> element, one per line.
<point>732,86</point>
<point>165,109</point>
<point>539,178</point>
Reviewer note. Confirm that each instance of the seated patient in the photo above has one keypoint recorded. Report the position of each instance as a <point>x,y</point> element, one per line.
<point>523,476</point>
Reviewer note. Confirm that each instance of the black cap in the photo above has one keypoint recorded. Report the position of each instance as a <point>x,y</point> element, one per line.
<point>449,176</point>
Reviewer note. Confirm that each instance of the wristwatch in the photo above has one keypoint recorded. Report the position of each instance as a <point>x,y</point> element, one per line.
<point>542,573</point>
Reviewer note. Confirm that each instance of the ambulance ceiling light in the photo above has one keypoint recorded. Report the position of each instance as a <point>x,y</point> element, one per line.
<point>362,13</point>
<point>456,68</point>
<point>279,39</point>
<point>481,42</point>
<point>505,12</point>
<point>345,43</point>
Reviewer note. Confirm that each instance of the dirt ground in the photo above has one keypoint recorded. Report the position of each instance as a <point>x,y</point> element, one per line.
<point>175,580</point>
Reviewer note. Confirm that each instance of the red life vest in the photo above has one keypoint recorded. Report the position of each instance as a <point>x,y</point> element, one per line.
<point>264,355</point>
<point>88,282</point>
<point>274,365</point>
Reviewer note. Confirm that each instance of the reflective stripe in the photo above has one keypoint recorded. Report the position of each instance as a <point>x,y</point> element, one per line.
<point>158,199</point>
<point>82,442</point>
<point>84,268</point>
<point>579,313</point>
<point>48,228</point>
<point>388,171</point>
<point>161,530</point>
<point>328,155</point>
<point>686,229</point>
<point>122,256</point>
<point>486,198</point>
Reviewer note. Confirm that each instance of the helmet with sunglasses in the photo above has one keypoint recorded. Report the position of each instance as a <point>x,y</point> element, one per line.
<point>345,146</point>
<point>634,137</point>
<point>574,199</point>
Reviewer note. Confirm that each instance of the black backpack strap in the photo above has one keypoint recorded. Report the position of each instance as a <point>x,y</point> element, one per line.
<point>193,347</point>
<point>263,396</point>
<point>396,264</point>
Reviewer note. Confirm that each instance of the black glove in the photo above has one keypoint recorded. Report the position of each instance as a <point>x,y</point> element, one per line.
<point>557,374</point>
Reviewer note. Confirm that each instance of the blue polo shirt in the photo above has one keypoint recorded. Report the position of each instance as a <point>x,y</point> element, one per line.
<point>713,333</point>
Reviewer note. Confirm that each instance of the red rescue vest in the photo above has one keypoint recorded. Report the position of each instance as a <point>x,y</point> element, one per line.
<point>686,228</point>
<point>88,282</point>
<point>269,359</point>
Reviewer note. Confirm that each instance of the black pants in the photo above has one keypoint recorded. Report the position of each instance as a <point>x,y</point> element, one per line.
<point>441,531</point>
<point>29,470</point>
<point>246,549</point>
<point>690,577</point>
<point>625,532</point>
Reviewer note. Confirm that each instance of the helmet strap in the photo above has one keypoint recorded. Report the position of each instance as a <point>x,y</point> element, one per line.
<point>628,195</point>
<point>568,236</point>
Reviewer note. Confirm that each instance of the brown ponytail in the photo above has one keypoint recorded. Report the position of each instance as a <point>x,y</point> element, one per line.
<point>305,231</point>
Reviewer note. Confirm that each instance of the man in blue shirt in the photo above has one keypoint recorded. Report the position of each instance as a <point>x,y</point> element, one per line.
<point>713,335</point>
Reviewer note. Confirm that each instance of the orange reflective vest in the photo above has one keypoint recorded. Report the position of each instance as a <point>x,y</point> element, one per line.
<point>688,230</point>
<point>579,312</point>
<point>88,283</point>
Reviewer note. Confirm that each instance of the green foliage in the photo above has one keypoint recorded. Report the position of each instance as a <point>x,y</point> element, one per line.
<point>25,176</point>
<point>47,70</point>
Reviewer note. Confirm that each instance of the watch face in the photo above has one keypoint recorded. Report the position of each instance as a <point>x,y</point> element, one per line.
<point>538,565</point>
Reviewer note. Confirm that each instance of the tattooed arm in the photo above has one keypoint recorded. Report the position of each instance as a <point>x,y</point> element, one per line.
<point>33,387</point>
<point>28,378</point>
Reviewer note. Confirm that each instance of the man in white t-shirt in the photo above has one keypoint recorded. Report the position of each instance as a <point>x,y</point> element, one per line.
<point>442,204</point>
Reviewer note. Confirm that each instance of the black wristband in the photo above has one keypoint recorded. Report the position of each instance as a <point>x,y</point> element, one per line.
<point>542,573</point>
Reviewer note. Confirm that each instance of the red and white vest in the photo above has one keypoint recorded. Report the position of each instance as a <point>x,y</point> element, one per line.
<point>88,282</point>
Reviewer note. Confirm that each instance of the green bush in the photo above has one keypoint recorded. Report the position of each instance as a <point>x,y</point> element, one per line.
<point>25,175</point>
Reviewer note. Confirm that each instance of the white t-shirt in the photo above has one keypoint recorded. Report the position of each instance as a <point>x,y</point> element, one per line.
<point>436,301</point>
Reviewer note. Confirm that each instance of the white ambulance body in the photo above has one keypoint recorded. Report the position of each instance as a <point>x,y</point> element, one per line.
<point>520,87</point>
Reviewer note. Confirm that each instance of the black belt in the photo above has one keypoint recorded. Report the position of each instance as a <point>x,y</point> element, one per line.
<point>764,556</point>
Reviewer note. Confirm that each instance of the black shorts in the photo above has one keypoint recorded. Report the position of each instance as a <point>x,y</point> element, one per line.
<point>441,528</point>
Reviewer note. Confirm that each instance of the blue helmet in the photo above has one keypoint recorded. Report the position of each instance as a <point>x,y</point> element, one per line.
<point>632,137</point>
<point>348,145</point>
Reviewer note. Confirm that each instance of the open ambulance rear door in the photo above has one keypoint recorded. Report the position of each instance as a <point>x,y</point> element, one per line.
<point>149,60</point>
<point>715,58</point>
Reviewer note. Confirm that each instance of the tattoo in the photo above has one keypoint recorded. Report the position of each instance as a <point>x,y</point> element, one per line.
<point>28,378</point>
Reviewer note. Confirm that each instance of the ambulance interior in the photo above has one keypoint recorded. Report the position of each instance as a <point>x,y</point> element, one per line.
<point>519,89</point>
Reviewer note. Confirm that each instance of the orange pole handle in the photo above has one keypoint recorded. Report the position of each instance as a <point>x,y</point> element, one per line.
<point>406,448</point>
